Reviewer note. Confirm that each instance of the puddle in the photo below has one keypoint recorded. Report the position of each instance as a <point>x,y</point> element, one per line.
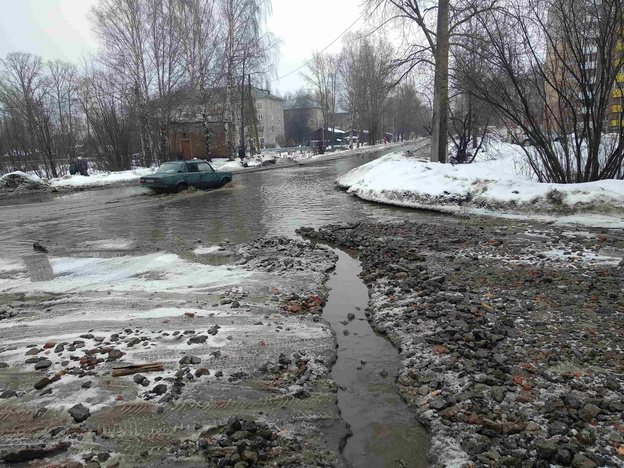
<point>385,432</point>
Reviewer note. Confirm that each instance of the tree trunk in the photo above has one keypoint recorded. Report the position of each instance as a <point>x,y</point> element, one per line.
<point>439,145</point>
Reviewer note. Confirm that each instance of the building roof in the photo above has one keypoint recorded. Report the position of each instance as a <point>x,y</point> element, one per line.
<point>301,103</point>
<point>258,93</point>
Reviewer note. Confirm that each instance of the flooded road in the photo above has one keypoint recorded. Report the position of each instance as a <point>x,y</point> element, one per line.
<point>273,202</point>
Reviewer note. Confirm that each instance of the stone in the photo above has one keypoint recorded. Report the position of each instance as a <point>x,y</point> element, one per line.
<point>139,379</point>
<point>159,389</point>
<point>589,412</point>
<point>44,364</point>
<point>437,403</point>
<point>42,383</point>
<point>546,450</point>
<point>233,425</point>
<point>79,413</point>
<point>563,457</point>
<point>498,394</point>
<point>525,397</point>
<point>557,428</point>
<point>581,461</point>
<point>200,339</point>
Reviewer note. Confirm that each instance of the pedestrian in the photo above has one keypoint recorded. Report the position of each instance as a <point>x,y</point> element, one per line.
<point>241,153</point>
<point>73,168</point>
<point>83,167</point>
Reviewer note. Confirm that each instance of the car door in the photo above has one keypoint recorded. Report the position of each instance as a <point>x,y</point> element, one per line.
<point>208,175</point>
<point>193,176</point>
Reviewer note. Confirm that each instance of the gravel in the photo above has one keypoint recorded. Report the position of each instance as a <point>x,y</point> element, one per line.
<point>511,350</point>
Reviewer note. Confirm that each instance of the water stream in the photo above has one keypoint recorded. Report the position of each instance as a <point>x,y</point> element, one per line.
<point>385,433</point>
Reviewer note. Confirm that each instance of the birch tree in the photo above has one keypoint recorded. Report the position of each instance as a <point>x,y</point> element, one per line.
<point>322,78</point>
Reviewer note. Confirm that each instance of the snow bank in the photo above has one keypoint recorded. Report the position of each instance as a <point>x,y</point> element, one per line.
<point>31,178</point>
<point>495,185</point>
<point>100,178</point>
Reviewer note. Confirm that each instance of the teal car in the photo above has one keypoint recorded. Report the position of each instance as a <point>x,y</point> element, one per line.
<point>180,175</point>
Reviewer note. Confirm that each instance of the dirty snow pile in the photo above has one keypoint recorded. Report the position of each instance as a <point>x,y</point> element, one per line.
<point>19,180</point>
<point>97,178</point>
<point>494,184</point>
<point>251,161</point>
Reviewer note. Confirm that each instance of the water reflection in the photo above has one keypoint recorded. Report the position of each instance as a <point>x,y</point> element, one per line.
<point>273,202</point>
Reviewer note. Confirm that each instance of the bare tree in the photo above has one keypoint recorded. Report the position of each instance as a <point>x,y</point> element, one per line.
<point>322,77</point>
<point>557,79</point>
<point>368,77</point>
<point>106,103</point>
<point>200,38</point>
<point>24,94</point>
<point>123,29</point>
<point>406,114</point>
<point>432,27</point>
<point>244,20</point>
<point>63,84</point>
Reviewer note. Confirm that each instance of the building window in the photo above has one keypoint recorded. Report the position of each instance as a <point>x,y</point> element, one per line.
<point>259,116</point>
<point>272,128</point>
<point>279,117</point>
<point>271,105</point>
<point>259,105</point>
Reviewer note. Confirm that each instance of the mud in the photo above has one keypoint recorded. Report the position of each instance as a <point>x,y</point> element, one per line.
<point>252,349</point>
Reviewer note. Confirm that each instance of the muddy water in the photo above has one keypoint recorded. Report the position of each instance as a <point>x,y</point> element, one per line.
<point>264,203</point>
<point>385,433</point>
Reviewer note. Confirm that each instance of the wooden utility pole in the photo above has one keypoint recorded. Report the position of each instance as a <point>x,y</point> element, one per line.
<point>228,115</point>
<point>242,108</point>
<point>439,137</point>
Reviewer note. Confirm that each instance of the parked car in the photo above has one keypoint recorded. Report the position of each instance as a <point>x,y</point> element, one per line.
<point>180,175</point>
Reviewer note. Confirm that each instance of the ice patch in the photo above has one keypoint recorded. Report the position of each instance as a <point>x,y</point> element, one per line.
<point>206,250</point>
<point>154,272</point>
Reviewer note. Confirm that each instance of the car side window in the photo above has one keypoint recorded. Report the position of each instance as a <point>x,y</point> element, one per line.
<point>204,167</point>
<point>192,167</point>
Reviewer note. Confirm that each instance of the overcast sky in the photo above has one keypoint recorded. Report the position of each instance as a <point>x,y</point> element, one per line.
<point>59,29</point>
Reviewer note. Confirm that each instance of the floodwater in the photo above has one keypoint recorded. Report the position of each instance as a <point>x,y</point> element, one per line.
<point>275,202</point>
<point>385,434</point>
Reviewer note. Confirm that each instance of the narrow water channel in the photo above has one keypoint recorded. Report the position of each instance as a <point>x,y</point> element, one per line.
<point>385,433</point>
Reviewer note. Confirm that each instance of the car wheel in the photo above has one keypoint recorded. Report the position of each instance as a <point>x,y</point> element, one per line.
<point>181,187</point>
<point>226,180</point>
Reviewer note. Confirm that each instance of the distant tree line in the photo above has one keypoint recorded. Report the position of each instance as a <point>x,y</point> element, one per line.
<point>362,82</point>
<point>115,107</point>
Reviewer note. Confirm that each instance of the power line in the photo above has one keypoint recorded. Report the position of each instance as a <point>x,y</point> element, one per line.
<point>327,47</point>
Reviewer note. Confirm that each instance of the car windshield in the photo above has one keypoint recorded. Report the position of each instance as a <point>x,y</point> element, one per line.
<point>171,167</point>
